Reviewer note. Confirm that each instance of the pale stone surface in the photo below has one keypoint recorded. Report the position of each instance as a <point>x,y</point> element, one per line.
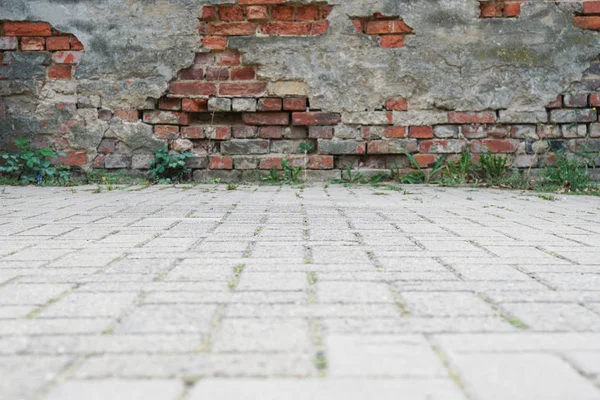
<point>330,293</point>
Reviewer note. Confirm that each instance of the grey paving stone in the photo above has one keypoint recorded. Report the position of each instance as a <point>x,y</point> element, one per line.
<point>19,294</point>
<point>159,318</point>
<point>112,389</point>
<point>531,376</point>
<point>354,292</point>
<point>90,305</point>
<point>347,389</point>
<point>446,304</point>
<point>24,376</point>
<point>555,317</point>
<point>382,356</point>
<point>251,281</point>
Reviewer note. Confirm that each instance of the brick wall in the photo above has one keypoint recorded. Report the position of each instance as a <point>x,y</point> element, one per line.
<point>232,118</point>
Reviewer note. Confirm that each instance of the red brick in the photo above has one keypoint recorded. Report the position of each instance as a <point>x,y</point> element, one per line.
<point>320,162</point>
<point>270,162</point>
<point>58,43</point>
<point>421,132</point>
<point>307,13</point>
<point>243,74</point>
<point>392,41</point>
<point>204,59</point>
<point>595,99</point>
<point>386,27</point>
<point>592,23</point>
<point>489,10</point>
<point>485,117</point>
<point>315,118</point>
<point>231,28</point>
<point>294,104</point>
<point>33,43</point>
<point>60,72</point>
<point>67,57</point>
<point>217,74</point>
<point>194,105</point>
<point>266,118</point>
<point>229,58</point>
<point>358,25</point>
<point>76,44</point>
<point>395,132</point>
<point>286,28</point>
<point>512,10</point>
<point>72,158</point>
<point>495,145</point>
<point>269,104</point>
<point>166,131</point>
<point>220,162</point>
<point>192,132</point>
<point>396,104</point>
<point>219,133</point>
<point>320,132</point>
<point>270,132</point>
<point>244,132</point>
<point>591,7</point>
<point>24,28</point>
<point>242,89</point>
<point>319,27</point>
<point>231,13</point>
<point>257,13</point>
<point>107,146</point>
<point>193,88</point>
<point>209,13</point>
<point>191,74</point>
<point>214,42</point>
<point>283,13</point>
<point>169,103</point>
<point>424,160</point>
<point>557,103</point>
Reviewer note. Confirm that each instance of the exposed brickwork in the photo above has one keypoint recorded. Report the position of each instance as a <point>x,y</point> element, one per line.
<point>389,31</point>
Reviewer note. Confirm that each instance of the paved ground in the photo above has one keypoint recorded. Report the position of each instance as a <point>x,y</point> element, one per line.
<point>199,293</point>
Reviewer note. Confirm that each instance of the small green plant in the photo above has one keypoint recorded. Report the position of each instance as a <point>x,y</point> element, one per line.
<point>29,165</point>
<point>272,178</point>
<point>567,174</point>
<point>460,171</point>
<point>549,197</point>
<point>169,167</point>
<point>305,147</point>
<point>290,174</point>
<point>231,186</point>
<point>348,179</point>
<point>421,175</point>
<point>492,166</point>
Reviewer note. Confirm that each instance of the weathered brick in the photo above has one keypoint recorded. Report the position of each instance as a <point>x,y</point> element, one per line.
<point>269,104</point>
<point>244,132</point>
<point>243,104</point>
<point>8,43</point>
<point>231,13</point>
<point>486,117</point>
<point>392,146</point>
<point>494,146</point>
<point>231,28</point>
<point>574,115</point>
<point>243,74</point>
<point>193,88</point>
<point>194,105</point>
<point>294,104</point>
<point>60,72</point>
<point>396,104</point>
<point>24,28</point>
<point>320,132</point>
<point>169,103</point>
<point>445,131</point>
<point>257,13</point>
<point>439,146</point>
<point>214,42</point>
<point>182,145</point>
<point>116,161</point>
<point>419,118</point>
<point>220,162</point>
<point>395,132</point>
<point>512,10</point>
<point>166,118</point>
<point>424,160</point>
<point>276,118</point>
<point>490,10</point>
<point>194,73</point>
<point>127,115</point>
<point>242,89</point>
<point>556,103</point>
<point>572,131</point>
<point>523,117</point>
<point>208,13</point>
<point>382,27</point>
<point>217,74</point>
<point>270,132</point>
<point>245,146</point>
<point>192,132</point>
<point>591,7</point>
<point>341,147</point>
<point>579,100</point>
<point>58,43</point>
<point>588,22</point>
<point>141,161</point>
<point>421,132</point>
<point>166,131</point>
<point>245,163</point>
<point>283,13</point>
<point>346,132</point>
<point>33,43</point>
<point>228,58</point>
<point>320,162</point>
<point>270,162</point>
<point>473,131</point>
<point>219,104</point>
<point>319,27</point>
<point>67,57</point>
<point>367,118</point>
<point>374,132</point>
<point>285,28</point>
<point>72,158</point>
<point>315,118</point>
<point>218,132</point>
<point>525,132</point>
<point>392,41</point>
<point>295,132</point>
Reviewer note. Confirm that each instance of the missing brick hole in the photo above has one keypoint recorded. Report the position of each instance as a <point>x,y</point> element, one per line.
<point>217,118</point>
